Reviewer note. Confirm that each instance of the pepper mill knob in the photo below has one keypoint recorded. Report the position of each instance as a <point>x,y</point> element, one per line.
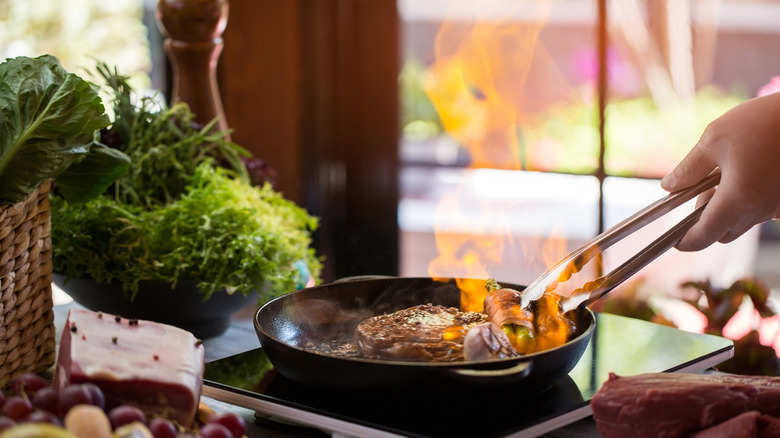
<point>193,40</point>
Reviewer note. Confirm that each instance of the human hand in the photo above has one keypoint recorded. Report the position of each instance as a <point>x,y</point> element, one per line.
<point>745,143</point>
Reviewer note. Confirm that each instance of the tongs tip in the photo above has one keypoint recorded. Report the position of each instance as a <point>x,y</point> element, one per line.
<point>591,291</point>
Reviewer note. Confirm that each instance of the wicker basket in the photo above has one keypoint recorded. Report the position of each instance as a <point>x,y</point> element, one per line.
<point>27,343</point>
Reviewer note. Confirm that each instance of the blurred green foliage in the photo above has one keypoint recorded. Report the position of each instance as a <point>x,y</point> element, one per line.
<point>78,32</point>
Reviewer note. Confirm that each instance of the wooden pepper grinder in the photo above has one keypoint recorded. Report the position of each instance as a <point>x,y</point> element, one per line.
<point>193,40</point>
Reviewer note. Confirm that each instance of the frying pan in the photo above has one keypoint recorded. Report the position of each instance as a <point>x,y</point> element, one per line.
<point>319,316</point>
<point>291,324</point>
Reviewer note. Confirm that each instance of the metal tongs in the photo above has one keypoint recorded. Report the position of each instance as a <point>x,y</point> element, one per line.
<point>575,261</point>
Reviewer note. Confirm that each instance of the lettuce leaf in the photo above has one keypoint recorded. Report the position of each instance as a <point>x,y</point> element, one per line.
<point>48,119</point>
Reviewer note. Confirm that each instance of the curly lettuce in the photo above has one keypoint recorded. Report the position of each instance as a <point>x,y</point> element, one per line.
<point>222,232</point>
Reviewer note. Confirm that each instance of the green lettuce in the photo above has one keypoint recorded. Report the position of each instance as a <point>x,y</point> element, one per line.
<point>48,124</point>
<point>223,233</point>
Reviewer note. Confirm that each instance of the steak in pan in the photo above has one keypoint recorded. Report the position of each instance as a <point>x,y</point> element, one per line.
<point>423,333</point>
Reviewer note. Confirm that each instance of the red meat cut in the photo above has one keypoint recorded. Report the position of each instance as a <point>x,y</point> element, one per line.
<point>657,405</point>
<point>741,426</point>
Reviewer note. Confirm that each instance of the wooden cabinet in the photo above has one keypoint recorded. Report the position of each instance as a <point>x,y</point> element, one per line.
<point>311,86</point>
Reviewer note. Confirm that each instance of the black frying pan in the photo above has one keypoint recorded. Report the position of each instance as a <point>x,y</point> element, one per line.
<point>288,324</point>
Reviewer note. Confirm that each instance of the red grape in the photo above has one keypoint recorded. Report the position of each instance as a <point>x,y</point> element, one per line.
<point>125,414</point>
<point>214,430</point>
<point>96,396</point>
<point>72,395</point>
<point>46,399</point>
<point>6,422</point>
<point>17,407</point>
<point>39,416</point>
<point>233,422</point>
<point>28,384</point>
<point>162,428</point>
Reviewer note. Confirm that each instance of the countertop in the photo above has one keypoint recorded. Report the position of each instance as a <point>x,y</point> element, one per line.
<point>239,337</point>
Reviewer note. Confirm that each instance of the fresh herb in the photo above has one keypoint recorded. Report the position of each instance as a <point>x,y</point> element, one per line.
<point>249,370</point>
<point>492,285</point>
<point>164,144</point>
<point>48,120</point>
<point>185,210</point>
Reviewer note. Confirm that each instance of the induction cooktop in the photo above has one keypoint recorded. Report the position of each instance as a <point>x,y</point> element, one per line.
<point>620,345</point>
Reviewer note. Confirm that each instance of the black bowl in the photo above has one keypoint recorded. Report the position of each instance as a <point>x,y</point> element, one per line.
<point>182,306</point>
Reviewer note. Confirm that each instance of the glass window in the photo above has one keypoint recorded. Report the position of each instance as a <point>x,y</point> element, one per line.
<point>500,100</point>
<point>80,33</point>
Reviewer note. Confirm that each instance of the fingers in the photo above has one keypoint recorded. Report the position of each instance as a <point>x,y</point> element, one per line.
<point>692,169</point>
<point>723,220</point>
<point>705,197</point>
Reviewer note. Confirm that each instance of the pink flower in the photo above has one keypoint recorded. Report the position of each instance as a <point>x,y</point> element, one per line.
<point>772,87</point>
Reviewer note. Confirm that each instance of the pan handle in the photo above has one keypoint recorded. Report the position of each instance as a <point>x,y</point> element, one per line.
<point>506,375</point>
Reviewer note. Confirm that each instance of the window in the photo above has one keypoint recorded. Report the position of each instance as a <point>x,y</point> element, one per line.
<point>502,152</point>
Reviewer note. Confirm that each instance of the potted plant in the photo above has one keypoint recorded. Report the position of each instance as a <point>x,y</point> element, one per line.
<point>720,305</point>
<point>183,236</point>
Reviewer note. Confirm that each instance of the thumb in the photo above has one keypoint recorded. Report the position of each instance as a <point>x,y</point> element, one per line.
<point>692,169</point>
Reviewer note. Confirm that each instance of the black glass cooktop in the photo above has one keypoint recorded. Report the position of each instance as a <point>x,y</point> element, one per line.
<point>620,345</point>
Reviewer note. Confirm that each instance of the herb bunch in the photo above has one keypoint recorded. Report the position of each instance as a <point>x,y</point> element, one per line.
<point>185,210</point>
<point>164,144</point>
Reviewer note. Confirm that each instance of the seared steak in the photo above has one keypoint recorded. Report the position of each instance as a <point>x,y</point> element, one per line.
<point>428,333</point>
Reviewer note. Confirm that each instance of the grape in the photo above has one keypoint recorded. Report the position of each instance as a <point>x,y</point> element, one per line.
<point>79,394</point>
<point>17,407</point>
<point>46,399</point>
<point>233,422</point>
<point>71,396</point>
<point>214,430</point>
<point>6,422</point>
<point>28,384</point>
<point>162,428</point>
<point>125,414</point>
<point>39,416</point>
<point>95,394</point>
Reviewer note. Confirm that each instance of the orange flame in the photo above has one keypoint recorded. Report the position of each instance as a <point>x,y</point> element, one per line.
<point>478,81</point>
<point>478,86</point>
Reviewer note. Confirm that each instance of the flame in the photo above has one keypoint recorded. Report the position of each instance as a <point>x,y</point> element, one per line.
<point>478,80</point>
<point>551,326</point>
<point>478,85</point>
